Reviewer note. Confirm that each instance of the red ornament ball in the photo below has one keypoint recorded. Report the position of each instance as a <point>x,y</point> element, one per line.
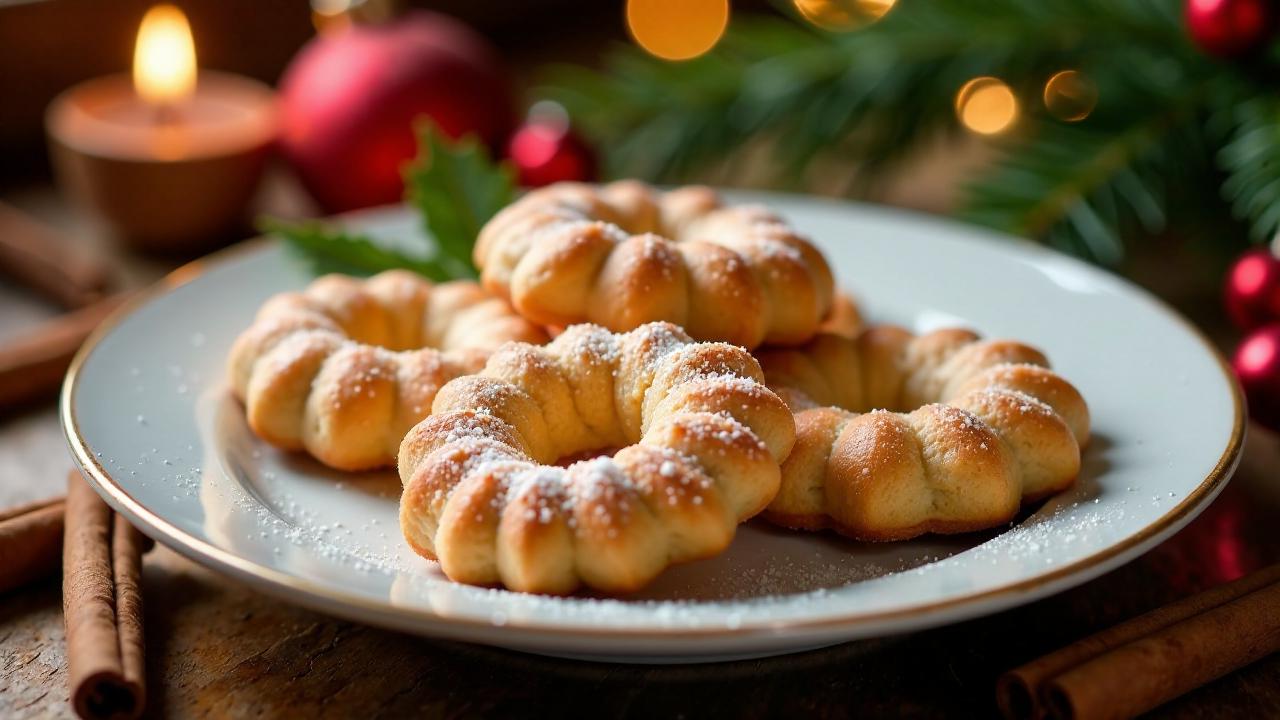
<point>546,151</point>
<point>1230,28</point>
<point>1257,364</point>
<point>350,99</point>
<point>1251,292</point>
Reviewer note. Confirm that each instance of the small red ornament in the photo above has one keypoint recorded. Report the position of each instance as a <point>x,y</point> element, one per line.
<point>1257,364</point>
<point>1231,28</point>
<point>350,98</point>
<point>545,150</point>
<point>1251,292</point>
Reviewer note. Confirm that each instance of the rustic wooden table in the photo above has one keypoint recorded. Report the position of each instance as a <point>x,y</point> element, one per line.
<point>217,648</point>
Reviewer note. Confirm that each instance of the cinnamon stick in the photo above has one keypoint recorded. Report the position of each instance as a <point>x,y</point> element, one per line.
<point>30,542</point>
<point>1021,692</point>
<point>47,262</point>
<point>1149,672</point>
<point>127,547</point>
<point>32,366</point>
<point>102,608</point>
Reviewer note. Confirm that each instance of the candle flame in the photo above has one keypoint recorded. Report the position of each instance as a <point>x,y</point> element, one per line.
<point>164,60</point>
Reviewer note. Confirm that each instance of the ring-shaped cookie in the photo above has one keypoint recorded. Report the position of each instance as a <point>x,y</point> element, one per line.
<point>625,254</point>
<point>963,432</point>
<point>701,438</point>
<point>345,367</point>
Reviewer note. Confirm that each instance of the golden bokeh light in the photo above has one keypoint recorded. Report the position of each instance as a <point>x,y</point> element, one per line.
<point>1070,96</point>
<point>986,105</point>
<point>843,15</point>
<point>164,59</point>
<point>677,29</point>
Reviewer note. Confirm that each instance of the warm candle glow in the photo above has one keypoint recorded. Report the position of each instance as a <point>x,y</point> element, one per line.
<point>677,29</point>
<point>164,60</point>
<point>1070,96</point>
<point>843,15</point>
<point>985,105</point>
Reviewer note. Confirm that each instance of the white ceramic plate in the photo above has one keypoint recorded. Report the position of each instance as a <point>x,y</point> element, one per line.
<point>150,421</point>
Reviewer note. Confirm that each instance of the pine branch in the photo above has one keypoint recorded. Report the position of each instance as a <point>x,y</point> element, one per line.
<point>1251,159</point>
<point>1081,187</point>
<point>1067,185</point>
<point>872,96</point>
<point>873,93</point>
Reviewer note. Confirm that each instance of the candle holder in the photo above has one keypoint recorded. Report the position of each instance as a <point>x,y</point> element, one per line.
<point>170,179</point>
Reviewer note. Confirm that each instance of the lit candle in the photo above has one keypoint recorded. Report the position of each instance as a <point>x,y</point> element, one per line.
<point>169,157</point>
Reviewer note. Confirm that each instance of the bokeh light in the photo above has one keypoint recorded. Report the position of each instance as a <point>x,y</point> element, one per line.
<point>331,7</point>
<point>1250,274</point>
<point>1070,96</point>
<point>331,16</point>
<point>677,29</point>
<point>986,105</point>
<point>843,15</point>
<point>164,59</point>
<point>1257,353</point>
<point>550,114</point>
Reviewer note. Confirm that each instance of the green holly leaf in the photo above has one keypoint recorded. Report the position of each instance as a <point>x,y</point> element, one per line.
<point>453,185</point>
<point>330,249</point>
<point>456,188</point>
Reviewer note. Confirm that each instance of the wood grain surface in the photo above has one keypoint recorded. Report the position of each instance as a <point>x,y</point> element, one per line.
<point>218,649</point>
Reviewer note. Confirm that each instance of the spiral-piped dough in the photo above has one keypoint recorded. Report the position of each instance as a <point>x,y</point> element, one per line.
<point>625,254</point>
<point>701,438</point>
<point>963,432</point>
<point>345,367</point>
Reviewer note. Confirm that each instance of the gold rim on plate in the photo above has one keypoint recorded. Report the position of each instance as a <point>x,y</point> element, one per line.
<point>332,600</point>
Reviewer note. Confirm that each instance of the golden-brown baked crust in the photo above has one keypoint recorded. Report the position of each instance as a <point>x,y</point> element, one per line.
<point>702,439</point>
<point>964,432</point>
<point>845,317</point>
<point>625,254</point>
<point>345,367</point>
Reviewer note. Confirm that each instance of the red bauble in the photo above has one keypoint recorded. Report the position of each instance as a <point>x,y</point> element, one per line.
<point>1257,364</point>
<point>547,151</point>
<point>350,99</point>
<point>1230,28</point>
<point>1251,292</point>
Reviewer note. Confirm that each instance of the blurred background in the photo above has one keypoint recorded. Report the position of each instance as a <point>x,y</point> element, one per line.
<point>1140,135</point>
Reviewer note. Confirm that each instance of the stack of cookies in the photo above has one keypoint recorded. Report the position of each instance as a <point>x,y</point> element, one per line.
<point>636,373</point>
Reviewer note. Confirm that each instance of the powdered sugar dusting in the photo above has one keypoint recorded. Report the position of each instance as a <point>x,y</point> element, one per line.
<point>767,576</point>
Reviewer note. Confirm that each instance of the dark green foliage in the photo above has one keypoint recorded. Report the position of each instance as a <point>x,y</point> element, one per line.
<point>330,249</point>
<point>873,95</point>
<point>456,189</point>
<point>1251,159</point>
